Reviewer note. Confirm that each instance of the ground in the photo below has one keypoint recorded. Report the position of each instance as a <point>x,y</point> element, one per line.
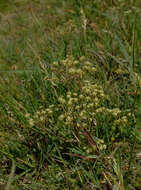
<point>70,94</point>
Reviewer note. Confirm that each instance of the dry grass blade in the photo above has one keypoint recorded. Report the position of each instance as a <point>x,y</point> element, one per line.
<point>91,141</point>
<point>11,176</point>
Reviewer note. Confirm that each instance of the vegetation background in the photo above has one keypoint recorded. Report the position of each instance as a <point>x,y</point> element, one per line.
<point>70,94</point>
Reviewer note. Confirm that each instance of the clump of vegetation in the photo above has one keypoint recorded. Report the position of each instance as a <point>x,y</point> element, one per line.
<point>71,121</point>
<point>78,121</point>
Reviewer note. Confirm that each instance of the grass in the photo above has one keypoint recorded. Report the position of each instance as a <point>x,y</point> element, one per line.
<point>70,95</point>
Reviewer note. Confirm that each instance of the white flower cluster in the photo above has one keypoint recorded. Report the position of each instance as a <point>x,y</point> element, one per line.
<point>81,106</point>
<point>40,117</point>
<point>71,68</point>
